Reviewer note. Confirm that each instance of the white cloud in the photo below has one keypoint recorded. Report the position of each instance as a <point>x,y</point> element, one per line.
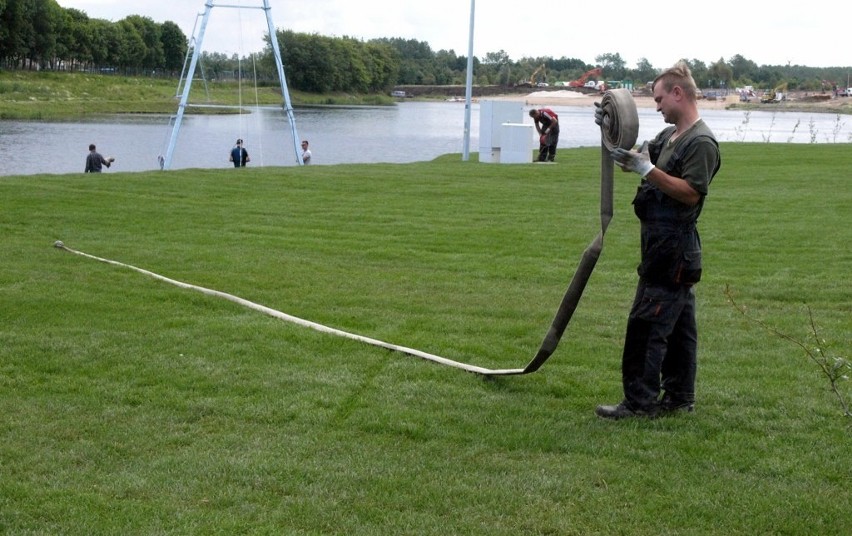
<point>656,31</point>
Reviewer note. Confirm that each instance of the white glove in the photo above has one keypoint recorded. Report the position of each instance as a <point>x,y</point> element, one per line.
<point>640,161</point>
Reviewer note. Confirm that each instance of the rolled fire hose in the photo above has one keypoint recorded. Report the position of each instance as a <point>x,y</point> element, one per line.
<point>620,128</point>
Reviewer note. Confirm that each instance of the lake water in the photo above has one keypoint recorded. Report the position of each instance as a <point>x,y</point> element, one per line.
<point>407,132</point>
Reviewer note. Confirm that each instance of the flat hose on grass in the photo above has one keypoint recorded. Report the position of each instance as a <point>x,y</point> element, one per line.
<point>620,128</point>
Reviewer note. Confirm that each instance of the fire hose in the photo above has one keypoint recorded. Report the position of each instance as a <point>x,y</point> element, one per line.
<point>619,128</point>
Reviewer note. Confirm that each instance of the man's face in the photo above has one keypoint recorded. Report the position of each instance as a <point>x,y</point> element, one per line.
<point>668,102</point>
<point>304,146</point>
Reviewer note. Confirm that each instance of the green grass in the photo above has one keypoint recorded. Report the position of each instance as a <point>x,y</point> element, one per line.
<point>51,96</point>
<point>131,406</point>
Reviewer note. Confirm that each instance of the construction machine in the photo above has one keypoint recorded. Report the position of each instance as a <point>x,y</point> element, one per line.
<point>581,82</point>
<point>775,95</point>
<point>535,73</point>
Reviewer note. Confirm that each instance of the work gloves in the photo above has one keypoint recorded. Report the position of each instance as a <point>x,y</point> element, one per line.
<point>639,162</point>
<point>598,114</point>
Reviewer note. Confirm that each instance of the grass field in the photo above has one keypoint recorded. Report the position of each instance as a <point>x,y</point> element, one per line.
<point>45,96</point>
<point>131,406</point>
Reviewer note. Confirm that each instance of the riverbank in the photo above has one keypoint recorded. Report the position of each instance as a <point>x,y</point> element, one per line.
<point>51,96</point>
<point>797,102</point>
<point>45,96</point>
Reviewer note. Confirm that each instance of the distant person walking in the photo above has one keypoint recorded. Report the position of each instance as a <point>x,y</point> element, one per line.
<point>306,153</point>
<point>239,155</point>
<point>547,125</point>
<point>95,161</point>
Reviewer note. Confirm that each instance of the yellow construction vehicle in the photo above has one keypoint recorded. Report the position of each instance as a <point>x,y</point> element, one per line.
<point>535,73</point>
<point>775,95</point>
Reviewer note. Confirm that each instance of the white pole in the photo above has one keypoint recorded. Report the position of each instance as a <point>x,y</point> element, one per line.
<point>288,107</point>
<point>187,85</point>
<point>468,87</point>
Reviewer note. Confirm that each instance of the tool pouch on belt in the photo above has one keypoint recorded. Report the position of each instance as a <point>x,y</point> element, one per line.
<point>671,247</point>
<point>671,251</point>
<point>670,256</point>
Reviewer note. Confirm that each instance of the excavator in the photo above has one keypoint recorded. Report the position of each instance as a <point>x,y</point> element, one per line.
<point>775,95</point>
<point>580,82</point>
<point>535,73</point>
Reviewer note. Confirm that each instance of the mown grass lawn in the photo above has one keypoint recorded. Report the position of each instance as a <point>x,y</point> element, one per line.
<point>131,406</point>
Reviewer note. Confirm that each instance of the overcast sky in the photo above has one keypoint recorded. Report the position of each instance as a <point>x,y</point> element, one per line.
<point>767,33</point>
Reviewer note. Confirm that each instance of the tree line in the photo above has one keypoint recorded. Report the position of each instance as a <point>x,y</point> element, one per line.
<point>318,63</point>
<point>40,34</point>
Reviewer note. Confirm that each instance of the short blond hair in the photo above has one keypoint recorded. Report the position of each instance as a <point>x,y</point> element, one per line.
<point>678,75</point>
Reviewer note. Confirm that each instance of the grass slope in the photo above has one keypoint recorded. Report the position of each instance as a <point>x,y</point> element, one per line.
<point>133,406</point>
<point>57,95</point>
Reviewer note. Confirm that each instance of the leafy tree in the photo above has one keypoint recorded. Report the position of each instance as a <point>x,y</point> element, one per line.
<point>17,20</point>
<point>41,34</point>
<point>131,51</point>
<point>501,57</point>
<point>699,72</point>
<point>214,65</point>
<point>383,66</point>
<point>644,72</point>
<point>720,74</point>
<point>567,64</point>
<point>309,58</point>
<point>497,67</point>
<point>447,67</point>
<point>75,37</point>
<point>4,28</point>
<point>613,65</point>
<point>103,39</point>
<point>416,60</point>
<point>349,72</point>
<point>149,54</point>
<point>47,22</point>
<point>174,43</point>
<point>742,68</point>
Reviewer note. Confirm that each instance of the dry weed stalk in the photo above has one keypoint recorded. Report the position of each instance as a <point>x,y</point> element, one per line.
<point>834,368</point>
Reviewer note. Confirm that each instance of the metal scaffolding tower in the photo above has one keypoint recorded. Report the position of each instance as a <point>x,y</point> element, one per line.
<point>195,43</point>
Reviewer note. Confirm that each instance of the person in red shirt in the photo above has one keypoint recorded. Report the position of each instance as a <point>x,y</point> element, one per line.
<point>547,125</point>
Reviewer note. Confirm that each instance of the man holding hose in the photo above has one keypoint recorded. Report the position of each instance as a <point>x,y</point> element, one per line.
<point>661,342</point>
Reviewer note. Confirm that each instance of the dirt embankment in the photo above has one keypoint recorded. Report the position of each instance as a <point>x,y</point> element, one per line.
<point>795,101</point>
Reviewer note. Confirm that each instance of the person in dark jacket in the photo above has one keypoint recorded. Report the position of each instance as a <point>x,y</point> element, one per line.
<point>659,360</point>
<point>95,161</point>
<point>239,155</point>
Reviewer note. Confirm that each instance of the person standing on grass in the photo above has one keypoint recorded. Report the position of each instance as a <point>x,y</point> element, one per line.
<point>95,161</point>
<point>547,125</point>
<point>661,342</point>
<point>306,153</point>
<point>239,155</point>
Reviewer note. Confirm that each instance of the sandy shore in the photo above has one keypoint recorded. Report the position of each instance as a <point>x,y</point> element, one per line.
<point>573,98</point>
